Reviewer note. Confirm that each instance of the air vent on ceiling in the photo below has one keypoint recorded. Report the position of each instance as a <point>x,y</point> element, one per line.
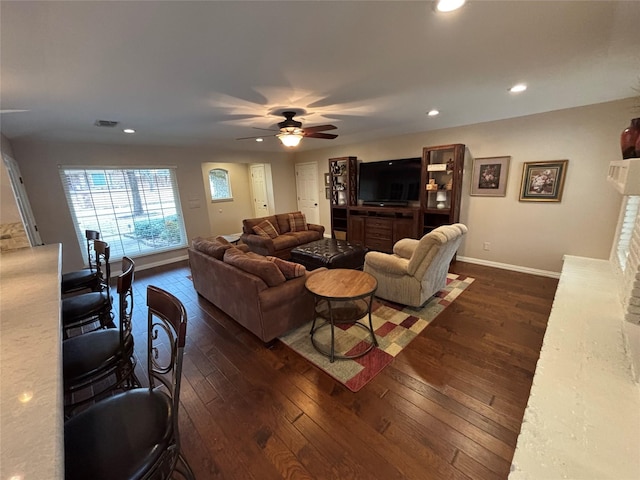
<point>105,123</point>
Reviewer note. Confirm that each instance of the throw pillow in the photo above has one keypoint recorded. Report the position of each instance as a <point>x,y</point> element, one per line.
<point>297,222</point>
<point>220,239</point>
<point>262,268</point>
<point>265,229</point>
<point>211,248</point>
<point>289,269</point>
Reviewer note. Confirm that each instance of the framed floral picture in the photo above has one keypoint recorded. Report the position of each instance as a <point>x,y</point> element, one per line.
<point>489,176</point>
<point>543,181</point>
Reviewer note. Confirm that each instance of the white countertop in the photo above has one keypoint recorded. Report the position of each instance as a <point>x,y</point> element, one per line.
<point>31,402</point>
<point>583,416</point>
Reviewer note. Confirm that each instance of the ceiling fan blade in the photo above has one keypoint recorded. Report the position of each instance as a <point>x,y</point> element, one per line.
<point>319,128</point>
<point>327,136</point>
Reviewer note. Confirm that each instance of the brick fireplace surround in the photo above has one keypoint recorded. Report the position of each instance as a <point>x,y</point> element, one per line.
<point>583,415</point>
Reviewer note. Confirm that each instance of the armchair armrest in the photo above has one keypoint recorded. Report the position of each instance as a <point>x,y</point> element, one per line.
<point>385,263</point>
<point>404,248</point>
<point>317,228</point>
<point>258,244</point>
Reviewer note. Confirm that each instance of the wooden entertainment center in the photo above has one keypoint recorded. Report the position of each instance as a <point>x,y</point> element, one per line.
<point>379,227</point>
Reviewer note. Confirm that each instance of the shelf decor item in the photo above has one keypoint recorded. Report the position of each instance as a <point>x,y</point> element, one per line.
<point>543,181</point>
<point>629,138</point>
<point>441,198</point>
<point>489,176</point>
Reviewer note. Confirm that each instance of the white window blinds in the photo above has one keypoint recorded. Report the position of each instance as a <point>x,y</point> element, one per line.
<point>630,213</point>
<point>137,211</point>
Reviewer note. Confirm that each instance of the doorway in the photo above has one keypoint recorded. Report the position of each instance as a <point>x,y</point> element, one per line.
<point>307,191</point>
<point>260,182</point>
<point>22,201</point>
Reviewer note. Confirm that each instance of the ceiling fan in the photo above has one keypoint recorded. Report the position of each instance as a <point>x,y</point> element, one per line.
<point>291,131</point>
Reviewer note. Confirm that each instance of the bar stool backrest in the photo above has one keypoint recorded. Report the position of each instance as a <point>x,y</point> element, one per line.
<point>167,331</point>
<point>103,252</point>
<point>91,236</point>
<point>125,297</point>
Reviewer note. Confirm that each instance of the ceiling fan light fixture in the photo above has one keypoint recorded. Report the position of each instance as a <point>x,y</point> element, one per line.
<point>290,139</point>
<point>449,5</point>
<point>519,88</point>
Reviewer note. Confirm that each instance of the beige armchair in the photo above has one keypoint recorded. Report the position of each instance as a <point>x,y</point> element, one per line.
<point>417,269</point>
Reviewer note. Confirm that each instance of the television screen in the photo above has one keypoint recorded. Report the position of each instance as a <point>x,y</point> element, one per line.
<point>389,182</point>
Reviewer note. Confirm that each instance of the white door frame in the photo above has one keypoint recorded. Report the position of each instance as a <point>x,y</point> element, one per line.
<point>22,200</point>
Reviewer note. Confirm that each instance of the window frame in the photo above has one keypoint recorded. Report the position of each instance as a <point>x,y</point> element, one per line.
<point>227,178</point>
<point>154,183</point>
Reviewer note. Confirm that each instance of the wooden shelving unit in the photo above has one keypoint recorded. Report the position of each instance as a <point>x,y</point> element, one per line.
<point>441,185</point>
<point>343,186</point>
<point>378,228</point>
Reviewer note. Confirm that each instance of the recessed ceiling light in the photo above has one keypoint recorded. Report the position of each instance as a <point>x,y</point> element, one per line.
<point>433,113</point>
<point>259,139</point>
<point>449,5</point>
<point>520,87</point>
<point>129,130</point>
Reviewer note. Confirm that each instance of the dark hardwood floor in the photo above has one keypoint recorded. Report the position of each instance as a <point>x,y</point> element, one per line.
<point>449,406</point>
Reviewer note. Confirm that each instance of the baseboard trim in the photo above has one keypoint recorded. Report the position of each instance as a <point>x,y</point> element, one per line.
<point>506,266</point>
<point>147,266</point>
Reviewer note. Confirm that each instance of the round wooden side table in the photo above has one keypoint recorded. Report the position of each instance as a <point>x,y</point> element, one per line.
<point>343,296</point>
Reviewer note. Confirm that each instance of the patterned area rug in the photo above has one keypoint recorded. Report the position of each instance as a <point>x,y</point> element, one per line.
<point>395,326</point>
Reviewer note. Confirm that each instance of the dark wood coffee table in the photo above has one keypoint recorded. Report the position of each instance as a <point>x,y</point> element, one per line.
<point>342,296</point>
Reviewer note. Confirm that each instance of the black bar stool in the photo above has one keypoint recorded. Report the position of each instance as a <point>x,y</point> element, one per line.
<point>134,434</point>
<point>87,278</point>
<point>87,308</point>
<point>102,359</point>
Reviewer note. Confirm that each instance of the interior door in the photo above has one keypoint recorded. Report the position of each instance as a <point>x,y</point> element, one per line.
<point>259,188</point>
<point>24,207</point>
<point>307,191</point>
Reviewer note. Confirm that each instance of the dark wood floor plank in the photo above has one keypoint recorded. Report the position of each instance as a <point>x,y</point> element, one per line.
<point>449,406</point>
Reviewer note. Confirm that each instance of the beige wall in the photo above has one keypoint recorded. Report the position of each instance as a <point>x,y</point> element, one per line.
<point>525,234</point>
<point>39,167</point>
<point>226,216</point>
<point>528,235</point>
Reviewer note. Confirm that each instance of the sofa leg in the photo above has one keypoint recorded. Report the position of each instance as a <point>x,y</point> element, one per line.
<point>270,343</point>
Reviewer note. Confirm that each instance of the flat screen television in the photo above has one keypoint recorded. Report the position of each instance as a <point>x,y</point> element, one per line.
<point>389,183</point>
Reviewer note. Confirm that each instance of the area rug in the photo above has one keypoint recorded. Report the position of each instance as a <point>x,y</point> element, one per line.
<point>395,326</point>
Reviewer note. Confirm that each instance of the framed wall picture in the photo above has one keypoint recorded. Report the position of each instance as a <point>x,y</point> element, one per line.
<point>543,181</point>
<point>327,180</point>
<point>489,176</point>
<point>327,193</point>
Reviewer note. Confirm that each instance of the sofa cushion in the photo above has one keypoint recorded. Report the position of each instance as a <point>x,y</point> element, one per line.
<point>265,229</point>
<point>288,240</point>
<point>220,239</point>
<point>263,268</point>
<point>306,236</point>
<point>210,247</point>
<point>297,222</point>
<point>282,222</point>
<point>289,269</point>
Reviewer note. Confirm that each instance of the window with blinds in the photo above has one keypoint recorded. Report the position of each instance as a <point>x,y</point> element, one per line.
<point>630,211</point>
<point>137,211</point>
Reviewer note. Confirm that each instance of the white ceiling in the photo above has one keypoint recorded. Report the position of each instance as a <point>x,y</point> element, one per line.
<point>205,73</point>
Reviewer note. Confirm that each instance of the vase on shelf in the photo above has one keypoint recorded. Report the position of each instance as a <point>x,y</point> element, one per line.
<point>629,139</point>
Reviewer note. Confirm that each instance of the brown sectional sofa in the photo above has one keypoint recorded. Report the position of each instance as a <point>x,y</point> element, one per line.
<point>260,301</point>
<point>286,240</point>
